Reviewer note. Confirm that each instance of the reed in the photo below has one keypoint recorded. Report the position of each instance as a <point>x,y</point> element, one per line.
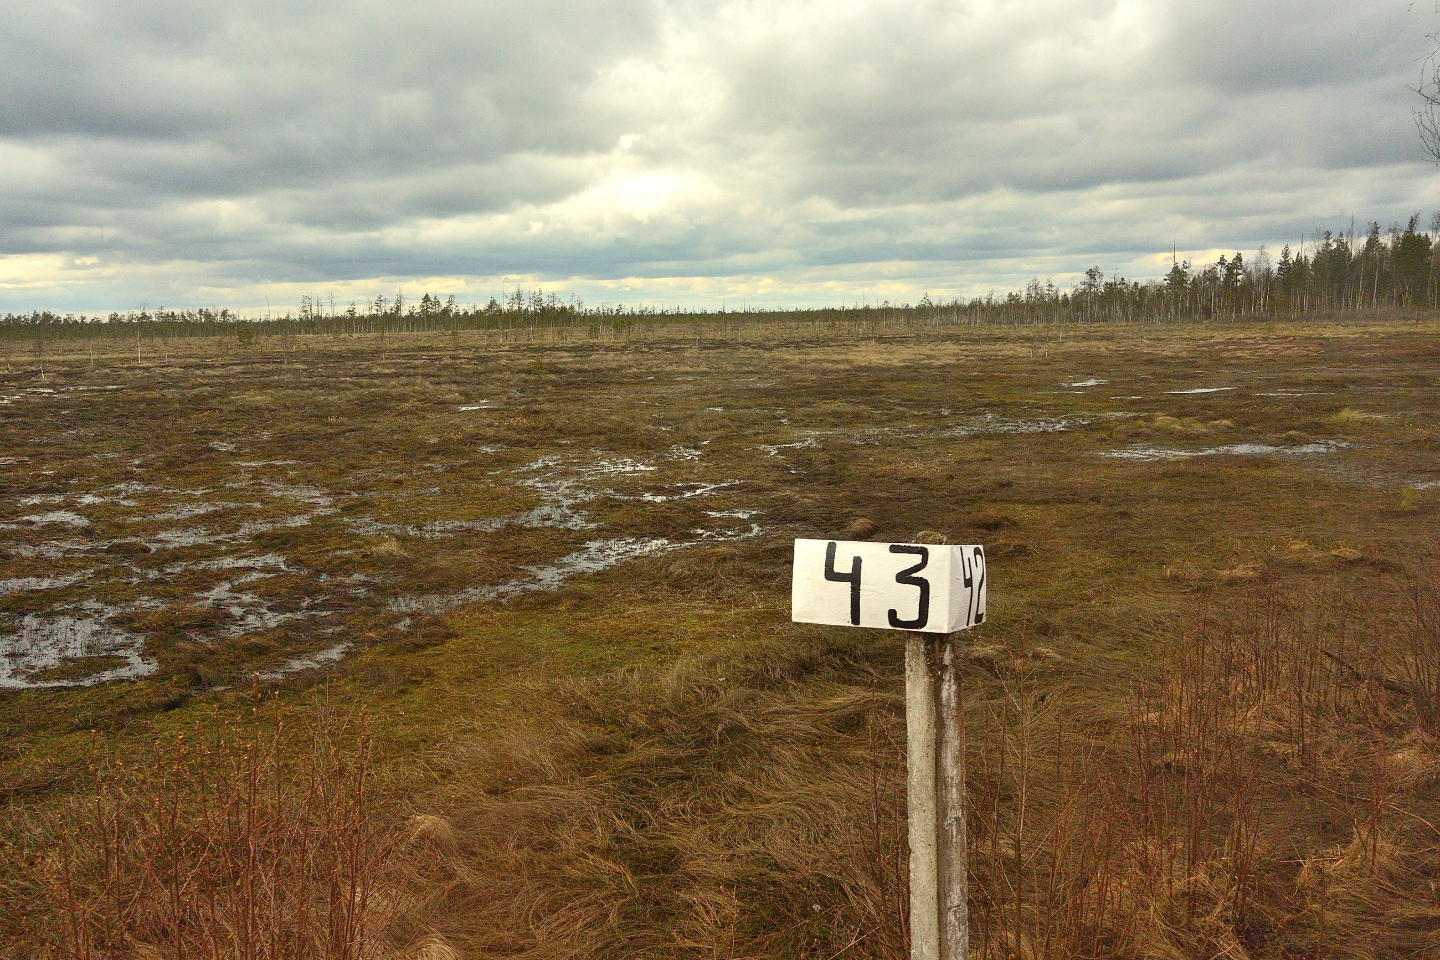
<point>253,842</point>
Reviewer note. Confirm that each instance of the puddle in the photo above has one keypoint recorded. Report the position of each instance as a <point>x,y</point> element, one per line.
<point>565,496</point>
<point>201,537</point>
<point>66,517</point>
<point>482,405</point>
<point>324,658</point>
<point>876,435</point>
<point>84,499</point>
<point>263,562</point>
<point>133,487</point>
<point>298,520</point>
<point>696,490</point>
<point>249,613</point>
<point>1149,454</point>
<point>991,423</point>
<point>1295,393</point>
<point>1200,390</point>
<point>48,644</point>
<point>773,449</point>
<point>1084,383</point>
<point>82,648</point>
<point>534,466</point>
<point>395,494</point>
<point>617,467</point>
<point>178,539</point>
<point>51,549</point>
<point>295,492</point>
<point>192,510</point>
<point>594,557</point>
<point>556,515</point>
<point>27,584</point>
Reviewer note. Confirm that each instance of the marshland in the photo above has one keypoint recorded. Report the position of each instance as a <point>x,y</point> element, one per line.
<point>330,638</point>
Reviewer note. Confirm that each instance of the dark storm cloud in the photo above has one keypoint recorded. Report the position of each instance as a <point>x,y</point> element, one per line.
<point>195,147</point>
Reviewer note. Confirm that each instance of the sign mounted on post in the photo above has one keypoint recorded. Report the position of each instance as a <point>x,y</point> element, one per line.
<point>920,588</point>
<point>897,586</point>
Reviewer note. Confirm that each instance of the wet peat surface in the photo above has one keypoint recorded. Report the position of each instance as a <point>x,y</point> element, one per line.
<point>233,516</point>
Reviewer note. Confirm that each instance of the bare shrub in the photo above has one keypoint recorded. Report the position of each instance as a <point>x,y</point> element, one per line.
<point>1422,660</point>
<point>252,842</point>
<point>1199,837</point>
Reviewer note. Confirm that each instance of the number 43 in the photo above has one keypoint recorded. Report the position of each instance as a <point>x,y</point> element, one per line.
<point>907,577</point>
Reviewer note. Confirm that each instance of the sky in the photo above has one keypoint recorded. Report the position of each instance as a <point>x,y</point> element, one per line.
<point>245,153</point>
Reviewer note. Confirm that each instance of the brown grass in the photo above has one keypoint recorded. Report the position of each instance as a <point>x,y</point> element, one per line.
<point>679,814</point>
<point>1200,839</point>
<point>1202,721</point>
<point>252,842</point>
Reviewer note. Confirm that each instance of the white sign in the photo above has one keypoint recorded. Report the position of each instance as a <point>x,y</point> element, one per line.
<point>903,586</point>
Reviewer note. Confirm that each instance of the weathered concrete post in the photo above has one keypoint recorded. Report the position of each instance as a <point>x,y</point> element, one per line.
<point>922,801</point>
<point>935,801</point>
<point>950,814</point>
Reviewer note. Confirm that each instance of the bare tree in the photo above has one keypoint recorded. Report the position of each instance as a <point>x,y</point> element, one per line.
<point>1427,116</point>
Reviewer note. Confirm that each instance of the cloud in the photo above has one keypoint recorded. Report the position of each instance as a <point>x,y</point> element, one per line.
<point>181,151</point>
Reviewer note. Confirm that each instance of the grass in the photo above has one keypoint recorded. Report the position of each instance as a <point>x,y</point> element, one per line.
<point>1201,717</point>
<point>226,845</point>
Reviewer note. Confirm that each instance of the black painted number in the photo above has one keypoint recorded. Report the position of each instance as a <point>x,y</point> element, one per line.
<point>973,566</point>
<point>852,578</point>
<point>907,577</point>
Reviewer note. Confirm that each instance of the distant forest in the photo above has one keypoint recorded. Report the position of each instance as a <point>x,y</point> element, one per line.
<point>1334,273</point>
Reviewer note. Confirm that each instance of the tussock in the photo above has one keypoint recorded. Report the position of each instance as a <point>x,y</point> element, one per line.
<point>432,948</point>
<point>387,546</point>
<point>437,833</point>
<point>862,528</point>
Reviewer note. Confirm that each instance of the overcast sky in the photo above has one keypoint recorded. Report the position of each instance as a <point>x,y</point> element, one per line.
<point>198,152</point>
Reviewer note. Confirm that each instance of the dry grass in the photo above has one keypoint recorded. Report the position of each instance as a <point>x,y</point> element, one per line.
<point>1202,722</point>
<point>1250,741</point>
<point>749,809</point>
<point>243,842</point>
<point>679,814</point>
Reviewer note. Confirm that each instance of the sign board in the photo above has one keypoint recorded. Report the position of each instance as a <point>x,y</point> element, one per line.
<point>902,586</point>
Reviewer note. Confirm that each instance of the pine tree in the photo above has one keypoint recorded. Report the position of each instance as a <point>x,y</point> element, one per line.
<point>1411,258</point>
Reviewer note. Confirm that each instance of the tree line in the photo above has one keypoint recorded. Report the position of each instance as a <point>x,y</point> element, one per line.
<point>1332,273</point>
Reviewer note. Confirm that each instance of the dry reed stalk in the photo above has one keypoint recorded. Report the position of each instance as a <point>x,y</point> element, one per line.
<point>1171,854</point>
<point>678,815</point>
<point>231,846</point>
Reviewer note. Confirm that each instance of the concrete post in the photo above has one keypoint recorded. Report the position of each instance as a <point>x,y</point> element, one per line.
<point>935,801</point>
<point>953,867</point>
<point>921,801</point>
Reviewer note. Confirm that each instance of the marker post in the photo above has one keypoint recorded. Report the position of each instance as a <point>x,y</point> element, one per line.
<point>935,801</point>
<point>882,581</point>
